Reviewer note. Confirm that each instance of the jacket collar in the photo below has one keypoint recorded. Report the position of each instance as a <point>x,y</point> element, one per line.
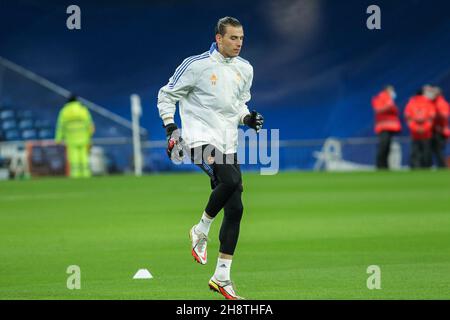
<point>215,54</point>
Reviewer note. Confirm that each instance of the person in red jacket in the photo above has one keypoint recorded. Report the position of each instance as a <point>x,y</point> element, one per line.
<point>441,130</point>
<point>387,123</point>
<point>420,114</point>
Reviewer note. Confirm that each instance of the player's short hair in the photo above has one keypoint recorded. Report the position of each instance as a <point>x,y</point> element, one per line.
<point>73,97</point>
<point>221,26</point>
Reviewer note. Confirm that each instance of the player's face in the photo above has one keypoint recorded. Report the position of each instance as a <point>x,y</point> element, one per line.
<point>231,43</point>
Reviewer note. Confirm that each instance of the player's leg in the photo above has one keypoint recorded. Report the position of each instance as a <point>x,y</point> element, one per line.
<point>84,161</point>
<point>233,210</point>
<point>74,160</point>
<point>228,180</point>
<point>199,232</point>
<point>427,153</point>
<point>420,154</point>
<point>383,150</point>
<point>415,160</point>
<point>441,143</point>
<point>434,146</point>
<point>228,236</point>
<point>388,149</point>
<point>225,179</point>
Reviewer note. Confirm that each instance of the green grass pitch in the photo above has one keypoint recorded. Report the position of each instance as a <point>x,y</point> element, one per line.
<point>303,236</point>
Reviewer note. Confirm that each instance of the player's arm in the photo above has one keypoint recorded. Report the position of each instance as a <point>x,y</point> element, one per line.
<point>407,114</point>
<point>385,108</point>
<point>413,124</point>
<point>383,103</point>
<point>91,126</point>
<point>179,85</point>
<point>252,119</point>
<point>244,98</point>
<point>59,134</point>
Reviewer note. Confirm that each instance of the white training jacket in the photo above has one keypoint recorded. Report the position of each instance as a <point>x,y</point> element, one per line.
<point>212,92</point>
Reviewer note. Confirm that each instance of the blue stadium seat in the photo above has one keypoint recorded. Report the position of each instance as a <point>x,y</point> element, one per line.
<point>24,114</point>
<point>29,134</point>
<point>42,124</point>
<point>45,134</point>
<point>7,114</point>
<point>12,135</point>
<point>9,124</point>
<point>26,124</point>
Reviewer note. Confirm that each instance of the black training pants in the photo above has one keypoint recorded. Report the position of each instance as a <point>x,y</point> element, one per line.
<point>384,146</point>
<point>421,154</point>
<point>226,185</point>
<point>438,143</point>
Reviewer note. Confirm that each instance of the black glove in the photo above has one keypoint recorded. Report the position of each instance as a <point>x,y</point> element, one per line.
<point>174,142</point>
<point>254,120</point>
<point>170,128</point>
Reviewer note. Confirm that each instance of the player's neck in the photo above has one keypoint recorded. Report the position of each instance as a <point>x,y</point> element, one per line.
<point>224,56</point>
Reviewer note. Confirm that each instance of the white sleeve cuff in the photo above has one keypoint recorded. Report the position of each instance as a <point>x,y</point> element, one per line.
<point>168,120</point>
<point>241,120</point>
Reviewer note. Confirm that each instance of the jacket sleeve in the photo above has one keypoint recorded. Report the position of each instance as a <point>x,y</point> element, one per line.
<point>245,97</point>
<point>443,107</point>
<point>383,103</point>
<point>408,115</point>
<point>179,85</point>
<point>59,135</point>
<point>91,125</point>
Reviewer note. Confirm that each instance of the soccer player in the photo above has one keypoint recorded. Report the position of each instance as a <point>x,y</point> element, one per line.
<point>212,90</point>
<point>75,128</point>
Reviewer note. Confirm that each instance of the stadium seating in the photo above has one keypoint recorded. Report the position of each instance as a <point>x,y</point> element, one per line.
<point>9,124</point>
<point>43,123</point>
<point>18,124</point>
<point>12,135</point>
<point>26,124</point>
<point>7,114</point>
<point>25,114</point>
<point>29,134</point>
<point>45,134</point>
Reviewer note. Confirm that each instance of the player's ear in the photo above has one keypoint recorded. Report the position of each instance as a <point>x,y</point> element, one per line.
<point>218,38</point>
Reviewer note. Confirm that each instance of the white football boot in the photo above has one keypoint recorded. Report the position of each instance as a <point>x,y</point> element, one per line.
<point>199,244</point>
<point>225,288</point>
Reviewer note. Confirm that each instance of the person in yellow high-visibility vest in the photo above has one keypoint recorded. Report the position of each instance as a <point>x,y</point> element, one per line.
<point>75,128</point>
